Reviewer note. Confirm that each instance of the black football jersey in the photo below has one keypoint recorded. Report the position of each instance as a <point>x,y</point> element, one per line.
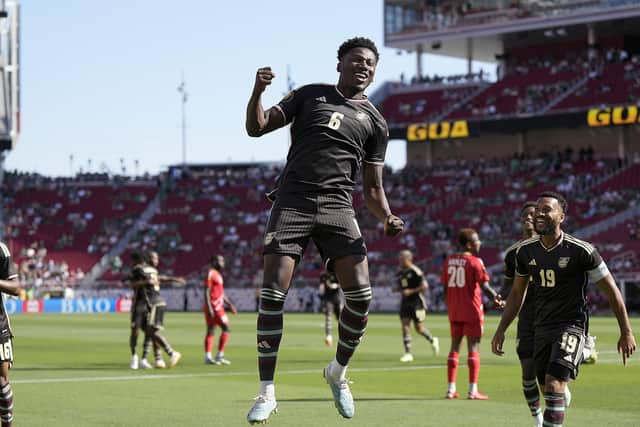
<point>560,276</point>
<point>528,311</point>
<point>150,292</point>
<point>330,138</point>
<point>138,274</point>
<point>7,272</point>
<point>411,278</point>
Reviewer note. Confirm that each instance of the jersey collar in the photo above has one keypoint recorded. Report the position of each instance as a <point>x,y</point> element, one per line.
<point>365,99</point>
<point>558,243</point>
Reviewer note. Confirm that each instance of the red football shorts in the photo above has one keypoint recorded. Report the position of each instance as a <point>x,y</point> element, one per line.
<point>473,329</point>
<point>219,317</point>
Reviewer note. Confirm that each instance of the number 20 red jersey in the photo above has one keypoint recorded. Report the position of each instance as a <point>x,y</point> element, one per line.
<point>463,275</point>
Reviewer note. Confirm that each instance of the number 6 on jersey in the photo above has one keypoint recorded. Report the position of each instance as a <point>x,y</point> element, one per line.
<point>335,121</point>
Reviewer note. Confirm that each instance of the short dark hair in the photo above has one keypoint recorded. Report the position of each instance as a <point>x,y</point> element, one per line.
<point>553,195</point>
<point>528,204</point>
<point>464,236</point>
<point>357,42</point>
<point>136,257</point>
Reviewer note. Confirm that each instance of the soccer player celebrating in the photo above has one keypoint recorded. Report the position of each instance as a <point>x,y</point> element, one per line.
<point>157,307</point>
<point>412,284</point>
<point>214,314</point>
<point>464,278</point>
<point>559,266</point>
<point>331,302</point>
<point>8,285</point>
<point>335,130</point>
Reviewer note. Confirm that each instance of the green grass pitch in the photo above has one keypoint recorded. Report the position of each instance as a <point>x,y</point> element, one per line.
<point>72,370</point>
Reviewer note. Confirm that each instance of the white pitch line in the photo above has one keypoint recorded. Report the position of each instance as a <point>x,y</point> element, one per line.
<point>242,374</point>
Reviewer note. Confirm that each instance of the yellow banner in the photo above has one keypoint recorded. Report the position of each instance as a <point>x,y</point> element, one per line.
<point>436,131</point>
<point>613,116</point>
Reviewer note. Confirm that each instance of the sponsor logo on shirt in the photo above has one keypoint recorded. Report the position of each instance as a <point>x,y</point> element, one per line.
<point>533,262</point>
<point>563,261</point>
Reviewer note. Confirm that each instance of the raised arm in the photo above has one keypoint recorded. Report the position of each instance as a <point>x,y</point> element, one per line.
<point>626,343</point>
<point>258,121</point>
<point>376,200</point>
<point>511,310</point>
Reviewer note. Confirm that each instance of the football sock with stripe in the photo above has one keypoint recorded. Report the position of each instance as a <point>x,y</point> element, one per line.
<point>554,409</point>
<point>353,322</point>
<point>406,339</point>
<point>6,405</point>
<point>427,334</point>
<point>532,396</point>
<point>269,331</point>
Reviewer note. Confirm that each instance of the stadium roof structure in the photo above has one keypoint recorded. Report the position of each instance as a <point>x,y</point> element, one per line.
<point>480,31</point>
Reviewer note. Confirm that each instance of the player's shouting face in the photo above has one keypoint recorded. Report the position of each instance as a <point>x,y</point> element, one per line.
<point>548,215</point>
<point>357,68</point>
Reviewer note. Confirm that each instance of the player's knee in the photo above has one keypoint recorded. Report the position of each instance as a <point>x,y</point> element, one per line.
<point>225,328</point>
<point>274,285</point>
<point>553,384</point>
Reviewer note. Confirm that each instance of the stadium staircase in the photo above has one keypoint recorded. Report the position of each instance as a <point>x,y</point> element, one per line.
<point>570,91</point>
<point>118,249</point>
<point>465,101</point>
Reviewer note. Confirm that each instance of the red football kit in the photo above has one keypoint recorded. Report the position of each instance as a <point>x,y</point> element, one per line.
<point>215,289</point>
<point>463,275</point>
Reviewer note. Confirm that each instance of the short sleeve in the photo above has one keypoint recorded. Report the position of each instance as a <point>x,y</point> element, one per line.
<point>7,269</point>
<point>290,104</point>
<point>481,271</point>
<point>510,264</point>
<point>596,267</point>
<point>375,148</point>
<point>521,263</point>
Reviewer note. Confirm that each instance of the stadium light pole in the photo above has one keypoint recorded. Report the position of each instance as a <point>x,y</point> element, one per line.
<point>182,89</point>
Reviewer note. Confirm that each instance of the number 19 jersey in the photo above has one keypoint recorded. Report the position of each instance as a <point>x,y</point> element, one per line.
<point>462,276</point>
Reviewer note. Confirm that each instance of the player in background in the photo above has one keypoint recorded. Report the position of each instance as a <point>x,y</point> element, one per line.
<point>214,314</point>
<point>464,278</point>
<point>331,302</point>
<point>560,267</point>
<point>335,132</point>
<point>157,307</point>
<point>526,317</point>
<point>139,310</point>
<point>8,285</point>
<point>412,284</point>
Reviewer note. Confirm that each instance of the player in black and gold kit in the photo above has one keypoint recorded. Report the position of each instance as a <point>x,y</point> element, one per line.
<point>335,131</point>
<point>560,268</point>
<point>331,302</point>
<point>8,285</point>
<point>413,307</point>
<point>139,310</point>
<point>156,306</point>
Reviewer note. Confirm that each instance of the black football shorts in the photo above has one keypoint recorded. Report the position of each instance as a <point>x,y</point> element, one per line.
<point>559,353</point>
<point>327,220</point>
<point>415,312</point>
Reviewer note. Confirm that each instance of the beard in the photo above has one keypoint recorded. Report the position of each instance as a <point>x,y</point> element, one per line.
<point>547,228</point>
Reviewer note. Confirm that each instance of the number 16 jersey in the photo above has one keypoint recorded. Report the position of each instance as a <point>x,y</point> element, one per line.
<point>462,276</point>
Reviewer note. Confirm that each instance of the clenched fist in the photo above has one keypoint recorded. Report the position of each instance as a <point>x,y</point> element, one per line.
<point>393,226</point>
<point>264,76</point>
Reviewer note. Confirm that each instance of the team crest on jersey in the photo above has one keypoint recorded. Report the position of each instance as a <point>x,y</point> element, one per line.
<point>268,238</point>
<point>563,261</point>
<point>361,116</point>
